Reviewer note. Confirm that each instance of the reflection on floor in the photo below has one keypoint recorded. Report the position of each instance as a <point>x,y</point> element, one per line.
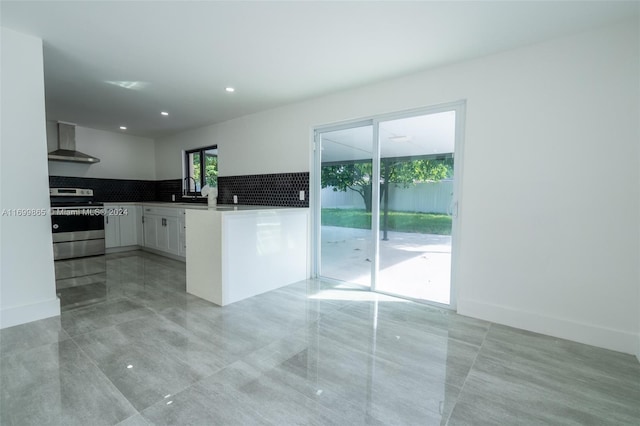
<point>308,353</point>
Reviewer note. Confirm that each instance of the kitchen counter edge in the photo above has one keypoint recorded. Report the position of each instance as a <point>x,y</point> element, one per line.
<point>220,208</point>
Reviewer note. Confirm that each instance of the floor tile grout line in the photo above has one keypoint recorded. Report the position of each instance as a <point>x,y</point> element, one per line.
<point>464,383</point>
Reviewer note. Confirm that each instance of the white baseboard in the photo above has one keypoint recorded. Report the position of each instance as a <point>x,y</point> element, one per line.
<point>590,334</point>
<point>23,314</point>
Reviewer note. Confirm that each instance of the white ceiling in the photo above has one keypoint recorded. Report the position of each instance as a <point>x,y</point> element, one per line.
<point>180,55</point>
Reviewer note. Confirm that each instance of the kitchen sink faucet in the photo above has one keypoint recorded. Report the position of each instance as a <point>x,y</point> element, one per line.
<point>186,186</point>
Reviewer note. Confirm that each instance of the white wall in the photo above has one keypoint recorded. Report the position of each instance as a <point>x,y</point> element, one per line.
<point>548,127</point>
<point>27,280</point>
<point>121,156</point>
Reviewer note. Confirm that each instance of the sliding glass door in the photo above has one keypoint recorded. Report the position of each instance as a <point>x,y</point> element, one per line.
<point>385,204</point>
<point>416,195</point>
<point>346,248</point>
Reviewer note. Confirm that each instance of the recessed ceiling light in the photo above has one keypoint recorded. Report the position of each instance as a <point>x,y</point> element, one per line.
<point>123,128</point>
<point>164,113</point>
<point>230,89</point>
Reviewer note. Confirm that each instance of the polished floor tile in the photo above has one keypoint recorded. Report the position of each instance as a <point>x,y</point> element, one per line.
<point>19,339</point>
<point>57,384</point>
<point>150,357</point>
<point>311,353</point>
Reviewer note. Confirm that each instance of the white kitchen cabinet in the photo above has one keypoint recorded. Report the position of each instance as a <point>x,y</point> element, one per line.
<point>111,232</point>
<point>173,235</point>
<point>151,224</point>
<point>122,225</point>
<point>129,223</point>
<point>164,230</point>
<point>182,234</point>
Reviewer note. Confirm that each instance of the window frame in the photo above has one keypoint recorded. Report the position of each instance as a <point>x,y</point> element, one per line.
<point>187,168</point>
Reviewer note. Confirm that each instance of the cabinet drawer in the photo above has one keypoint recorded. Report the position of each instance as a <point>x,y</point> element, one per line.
<point>162,211</point>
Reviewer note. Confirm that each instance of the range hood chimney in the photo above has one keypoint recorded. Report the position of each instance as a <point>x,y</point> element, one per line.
<point>67,146</point>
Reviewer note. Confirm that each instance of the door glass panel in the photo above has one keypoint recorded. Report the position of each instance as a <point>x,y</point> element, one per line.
<point>346,179</point>
<point>416,193</point>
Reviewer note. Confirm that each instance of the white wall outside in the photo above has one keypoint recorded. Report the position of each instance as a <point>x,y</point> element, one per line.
<point>121,156</point>
<point>548,128</point>
<point>27,286</point>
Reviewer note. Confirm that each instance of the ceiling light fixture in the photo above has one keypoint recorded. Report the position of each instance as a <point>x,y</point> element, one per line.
<point>123,128</point>
<point>230,89</point>
<point>164,113</point>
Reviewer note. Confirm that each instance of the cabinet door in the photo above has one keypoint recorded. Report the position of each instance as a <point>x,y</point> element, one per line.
<point>128,225</point>
<point>139,226</point>
<point>162,234</point>
<point>182,231</point>
<point>173,235</point>
<point>151,228</point>
<point>111,229</point>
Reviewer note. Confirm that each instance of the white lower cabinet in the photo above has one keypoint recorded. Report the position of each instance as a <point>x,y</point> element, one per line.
<point>182,239</point>
<point>164,229</point>
<point>151,224</point>
<point>130,222</point>
<point>122,225</point>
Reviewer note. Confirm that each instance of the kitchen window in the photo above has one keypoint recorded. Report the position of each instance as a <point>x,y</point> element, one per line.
<point>201,168</point>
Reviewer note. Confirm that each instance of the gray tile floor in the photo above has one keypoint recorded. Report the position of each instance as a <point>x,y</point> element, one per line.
<point>308,353</point>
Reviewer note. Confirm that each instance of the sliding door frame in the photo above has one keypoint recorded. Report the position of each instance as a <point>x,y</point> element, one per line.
<point>456,206</point>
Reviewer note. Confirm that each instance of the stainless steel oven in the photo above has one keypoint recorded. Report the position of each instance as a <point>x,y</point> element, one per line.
<point>77,224</point>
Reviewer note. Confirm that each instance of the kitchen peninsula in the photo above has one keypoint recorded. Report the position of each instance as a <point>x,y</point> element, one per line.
<point>235,252</point>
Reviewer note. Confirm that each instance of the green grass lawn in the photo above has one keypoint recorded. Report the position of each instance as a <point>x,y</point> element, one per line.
<point>423,223</point>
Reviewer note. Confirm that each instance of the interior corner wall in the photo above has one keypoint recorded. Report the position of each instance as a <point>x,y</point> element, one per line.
<point>122,156</point>
<point>27,279</point>
<point>550,204</point>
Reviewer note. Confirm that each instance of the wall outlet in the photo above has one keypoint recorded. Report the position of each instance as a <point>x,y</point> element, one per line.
<point>235,199</point>
<point>301,195</point>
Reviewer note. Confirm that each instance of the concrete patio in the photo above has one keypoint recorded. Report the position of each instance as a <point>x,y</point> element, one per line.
<point>412,265</point>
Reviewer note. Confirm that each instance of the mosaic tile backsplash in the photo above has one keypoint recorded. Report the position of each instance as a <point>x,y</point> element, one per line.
<point>166,188</point>
<point>279,189</point>
<point>110,190</point>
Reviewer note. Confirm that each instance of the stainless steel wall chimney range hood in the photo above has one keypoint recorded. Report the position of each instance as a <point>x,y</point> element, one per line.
<point>67,146</point>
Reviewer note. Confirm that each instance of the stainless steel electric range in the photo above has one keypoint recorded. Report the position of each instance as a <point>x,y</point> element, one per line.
<point>77,224</point>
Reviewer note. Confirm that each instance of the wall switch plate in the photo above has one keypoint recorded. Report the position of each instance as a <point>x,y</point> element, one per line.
<point>235,199</point>
<point>301,195</point>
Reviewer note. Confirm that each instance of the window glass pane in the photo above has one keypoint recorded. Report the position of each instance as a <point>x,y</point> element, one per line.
<point>211,167</point>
